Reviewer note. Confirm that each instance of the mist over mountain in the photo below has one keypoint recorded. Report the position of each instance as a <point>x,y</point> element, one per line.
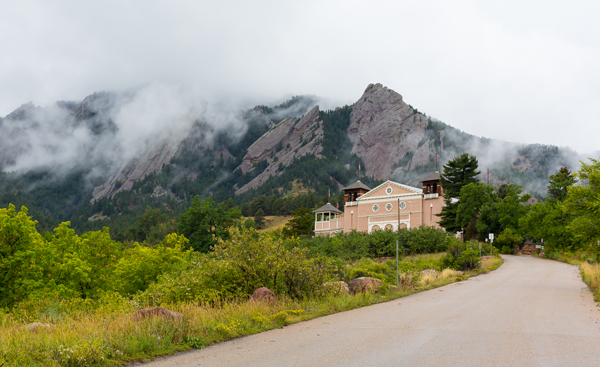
<point>116,153</point>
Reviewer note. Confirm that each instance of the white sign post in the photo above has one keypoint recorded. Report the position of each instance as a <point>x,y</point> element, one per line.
<point>491,238</point>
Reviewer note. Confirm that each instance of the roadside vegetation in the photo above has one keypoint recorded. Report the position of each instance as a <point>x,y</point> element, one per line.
<point>565,226</point>
<point>70,300</point>
<point>103,332</point>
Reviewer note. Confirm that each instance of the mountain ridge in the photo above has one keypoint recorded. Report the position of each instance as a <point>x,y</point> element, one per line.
<point>251,153</point>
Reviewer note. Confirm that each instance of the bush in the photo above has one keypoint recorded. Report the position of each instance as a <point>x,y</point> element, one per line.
<point>369,268</point>
<point>241,264</point>
<point>461,256</point>
<point>508,238</point>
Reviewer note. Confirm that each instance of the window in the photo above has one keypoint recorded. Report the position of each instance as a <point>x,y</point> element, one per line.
<point>402,205</point>
<point>389,190</point>
<point>375,208</point>
<point>388,206</point>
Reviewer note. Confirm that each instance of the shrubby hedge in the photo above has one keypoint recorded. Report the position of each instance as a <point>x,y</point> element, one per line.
<point>355,245</point>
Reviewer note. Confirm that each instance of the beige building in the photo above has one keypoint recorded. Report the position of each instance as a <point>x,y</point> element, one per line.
<point>390,205</point>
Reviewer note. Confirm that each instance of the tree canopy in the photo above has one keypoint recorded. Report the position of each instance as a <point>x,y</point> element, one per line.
<point>204,221</point>
<point>457,173</point>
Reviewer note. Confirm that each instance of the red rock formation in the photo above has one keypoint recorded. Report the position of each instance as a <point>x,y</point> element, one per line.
<point>384,129</point>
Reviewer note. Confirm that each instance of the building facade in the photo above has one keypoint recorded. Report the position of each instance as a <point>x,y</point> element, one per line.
<point>390,205</point>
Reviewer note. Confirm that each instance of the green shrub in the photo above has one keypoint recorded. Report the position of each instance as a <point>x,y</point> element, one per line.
<point>355,245</point>
<point>468,260</point>
<point>508,238</point>
<point>239,265</point>
<point>369,268</point>
<point>461,256</point>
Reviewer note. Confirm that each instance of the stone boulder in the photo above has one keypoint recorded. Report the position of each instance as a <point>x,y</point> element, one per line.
<point>406,280</point>
<point>337,287</point>
<point>365,284</point>
<point>156,312</point>
<point>264,294</point>
<point>429,271</point>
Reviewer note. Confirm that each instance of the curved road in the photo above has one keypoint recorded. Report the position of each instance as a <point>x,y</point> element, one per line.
<point>529,312</point>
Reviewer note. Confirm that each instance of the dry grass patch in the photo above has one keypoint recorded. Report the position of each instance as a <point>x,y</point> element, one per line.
<point>274,222</point>
<point>590,274</point>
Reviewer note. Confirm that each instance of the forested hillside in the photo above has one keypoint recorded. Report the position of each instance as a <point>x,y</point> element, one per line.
<point>83,163</point>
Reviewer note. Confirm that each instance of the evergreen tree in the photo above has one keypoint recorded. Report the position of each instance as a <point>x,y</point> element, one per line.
<point>259,219</point>
<point>303,224</point>
<point>458,173</point>
<point>559,184</point>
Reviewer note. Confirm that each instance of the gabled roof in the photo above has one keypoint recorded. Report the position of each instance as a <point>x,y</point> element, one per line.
<point>328,208</point>
<point>357,185</point>
<point>432,177</point>
<point>388,182</point>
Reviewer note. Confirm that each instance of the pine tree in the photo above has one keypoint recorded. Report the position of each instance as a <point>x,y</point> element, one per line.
<point>259,219</point>
<point>559,184</point>
<point>457,173</point>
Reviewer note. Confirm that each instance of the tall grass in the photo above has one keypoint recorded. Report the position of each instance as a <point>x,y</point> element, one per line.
<point>107,335</point>
<point>590,274</point>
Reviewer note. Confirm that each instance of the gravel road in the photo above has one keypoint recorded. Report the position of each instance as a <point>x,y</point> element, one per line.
<point>529,312</point>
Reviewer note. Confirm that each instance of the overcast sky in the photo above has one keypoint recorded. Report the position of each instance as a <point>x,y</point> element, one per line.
<point>512,70</point>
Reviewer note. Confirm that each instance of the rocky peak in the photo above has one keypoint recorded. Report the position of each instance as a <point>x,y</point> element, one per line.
<point>22,113</point>
<point>384,129</point>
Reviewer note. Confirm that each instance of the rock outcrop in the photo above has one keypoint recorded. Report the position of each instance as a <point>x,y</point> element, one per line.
<point>337,287</point>
<point>384,129</point>
<point>159,154</point>
<point>365,284</point>
<point>289,139</point>
<point>429,272</point>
